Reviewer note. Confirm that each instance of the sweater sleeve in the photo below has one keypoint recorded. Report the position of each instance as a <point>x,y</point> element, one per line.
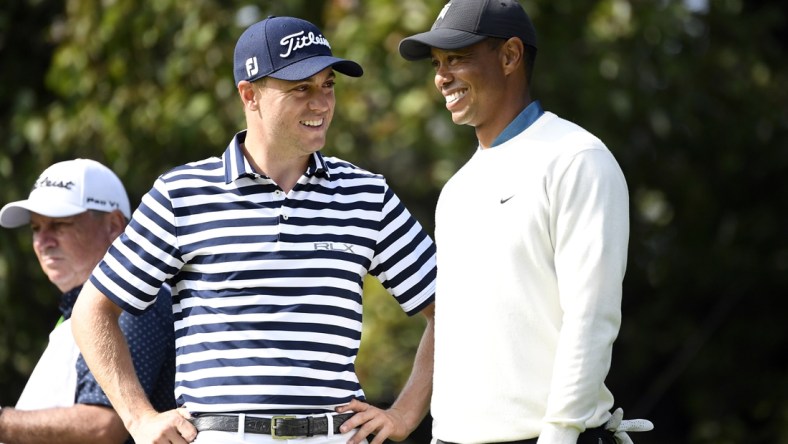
<point>590,226</point>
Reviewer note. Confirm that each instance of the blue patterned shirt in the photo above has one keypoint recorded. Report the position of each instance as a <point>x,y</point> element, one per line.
<point>152,344</point>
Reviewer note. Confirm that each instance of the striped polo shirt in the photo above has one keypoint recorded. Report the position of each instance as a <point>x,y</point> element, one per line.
<point>267,286</point>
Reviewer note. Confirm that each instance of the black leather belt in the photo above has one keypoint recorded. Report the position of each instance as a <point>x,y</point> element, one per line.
<point>279,427</point>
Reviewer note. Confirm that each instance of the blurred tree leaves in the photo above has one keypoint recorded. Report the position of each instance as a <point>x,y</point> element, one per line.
<point>689,95</point>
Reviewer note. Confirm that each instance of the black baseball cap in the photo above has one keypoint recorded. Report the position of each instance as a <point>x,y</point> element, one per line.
<point>286,48</point>
<point>463,23</point>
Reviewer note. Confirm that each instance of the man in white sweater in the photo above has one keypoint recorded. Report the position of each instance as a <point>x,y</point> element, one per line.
<point>532,240</point>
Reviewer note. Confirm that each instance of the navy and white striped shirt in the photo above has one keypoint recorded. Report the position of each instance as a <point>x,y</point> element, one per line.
<point>267,287</point>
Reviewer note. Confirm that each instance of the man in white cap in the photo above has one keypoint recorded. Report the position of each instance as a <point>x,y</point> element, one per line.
<point>75,210</point>
<point>267,248</point>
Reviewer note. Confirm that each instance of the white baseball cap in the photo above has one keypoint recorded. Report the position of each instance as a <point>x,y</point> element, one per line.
<point>69,188</point>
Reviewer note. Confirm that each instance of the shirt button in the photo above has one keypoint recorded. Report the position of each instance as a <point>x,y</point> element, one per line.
<point>285,217</point>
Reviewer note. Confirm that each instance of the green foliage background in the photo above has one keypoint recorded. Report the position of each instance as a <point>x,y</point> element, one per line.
<point>689,95</point>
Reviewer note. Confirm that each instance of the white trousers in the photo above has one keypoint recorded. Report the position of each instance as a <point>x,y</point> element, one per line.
<point>211,437</point>
<point>241,437</point>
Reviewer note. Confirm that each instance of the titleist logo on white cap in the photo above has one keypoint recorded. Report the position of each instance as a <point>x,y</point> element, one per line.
<point>69,188</point>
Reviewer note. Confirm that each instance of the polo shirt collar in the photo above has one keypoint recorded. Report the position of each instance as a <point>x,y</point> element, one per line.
<point>317,166</point>
<point>236,165</point>
<point>67,301</point>
<point>526,118</point>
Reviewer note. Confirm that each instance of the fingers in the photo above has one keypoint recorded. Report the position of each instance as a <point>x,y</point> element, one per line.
<point>170,427</point>
<point>353,406</point>
<point>377,423</point>
<point>185,428</point>
<point>370,420</point>
<point>183,412</point>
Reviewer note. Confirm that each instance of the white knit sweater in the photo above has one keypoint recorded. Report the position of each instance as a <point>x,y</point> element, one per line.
<point>532,246</point>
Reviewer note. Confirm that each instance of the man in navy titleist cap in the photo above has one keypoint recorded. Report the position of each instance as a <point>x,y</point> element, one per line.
<point>527,315</point>
<point>266,248</point>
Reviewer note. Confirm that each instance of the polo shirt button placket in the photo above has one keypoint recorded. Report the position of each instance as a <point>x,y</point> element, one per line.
<point>280,198</point>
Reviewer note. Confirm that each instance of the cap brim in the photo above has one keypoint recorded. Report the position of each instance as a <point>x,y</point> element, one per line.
<point>419,46</point>
<point>17,213</point>
<point>306,68</point>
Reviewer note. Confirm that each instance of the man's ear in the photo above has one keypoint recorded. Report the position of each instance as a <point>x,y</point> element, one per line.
<point>248,95</point>
<point>512,53</point>
<point>117,223</point>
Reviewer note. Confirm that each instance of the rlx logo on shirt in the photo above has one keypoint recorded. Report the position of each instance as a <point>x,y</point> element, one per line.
<point>334,246</point>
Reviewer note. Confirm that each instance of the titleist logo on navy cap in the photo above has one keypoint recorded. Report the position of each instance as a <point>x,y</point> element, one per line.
<point>298,40</point>
<point>290,44</point>
<point>286,48</point>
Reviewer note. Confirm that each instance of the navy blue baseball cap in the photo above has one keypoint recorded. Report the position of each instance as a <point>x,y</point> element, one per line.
<point>462,23</point>
<point>286,48</point>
